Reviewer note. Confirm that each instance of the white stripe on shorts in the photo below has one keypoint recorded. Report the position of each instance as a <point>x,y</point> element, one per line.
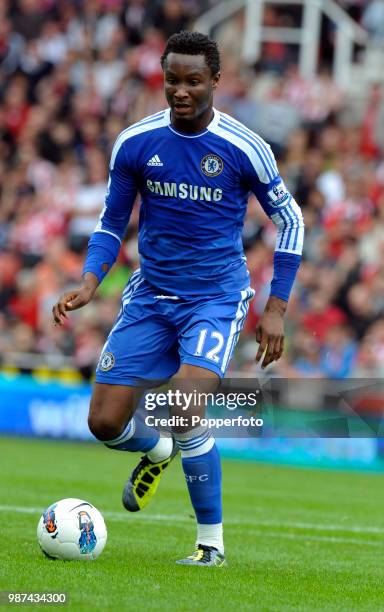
<point>135,277</point>
<point>134,281</point>
<point>236,325</point>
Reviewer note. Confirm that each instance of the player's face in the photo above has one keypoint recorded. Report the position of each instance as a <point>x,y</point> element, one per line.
<point>189,86</point>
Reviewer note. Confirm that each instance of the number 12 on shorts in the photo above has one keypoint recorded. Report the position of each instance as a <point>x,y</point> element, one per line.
<point>213,352</point>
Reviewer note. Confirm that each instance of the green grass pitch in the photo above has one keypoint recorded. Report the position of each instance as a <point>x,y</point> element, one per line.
<point>296,539</point>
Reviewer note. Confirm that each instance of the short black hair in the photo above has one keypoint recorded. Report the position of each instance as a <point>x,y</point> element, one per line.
<point>193,43</point>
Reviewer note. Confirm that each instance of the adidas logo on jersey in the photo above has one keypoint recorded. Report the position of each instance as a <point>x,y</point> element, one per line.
<point>155,161</point>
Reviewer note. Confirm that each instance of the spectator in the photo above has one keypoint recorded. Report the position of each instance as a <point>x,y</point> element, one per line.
<point>86,206</point>
<point>108,71</point>
<point>170,18</point>
<point>28,20</point>
<point>338,353</point>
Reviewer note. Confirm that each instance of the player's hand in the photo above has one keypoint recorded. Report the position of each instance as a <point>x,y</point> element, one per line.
<point>270,332</point>
<point>72,300</point>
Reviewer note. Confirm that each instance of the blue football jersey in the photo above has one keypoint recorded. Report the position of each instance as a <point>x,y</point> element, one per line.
<point>194,190</point>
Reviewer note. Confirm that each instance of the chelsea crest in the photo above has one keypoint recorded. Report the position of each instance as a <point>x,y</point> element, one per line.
<point>212,165</point>
<point>107,361</point>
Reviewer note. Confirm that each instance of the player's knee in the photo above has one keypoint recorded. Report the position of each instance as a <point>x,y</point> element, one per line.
<point>103,427</point>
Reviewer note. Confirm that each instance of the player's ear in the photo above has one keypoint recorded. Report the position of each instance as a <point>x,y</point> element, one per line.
<point>215,79</point>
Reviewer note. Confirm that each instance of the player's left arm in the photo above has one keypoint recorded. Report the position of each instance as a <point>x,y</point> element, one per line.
<point>282,209</point>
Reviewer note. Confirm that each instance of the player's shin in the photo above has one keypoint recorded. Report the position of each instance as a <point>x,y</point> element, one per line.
<point>202,469</point>
<point>137,436</point>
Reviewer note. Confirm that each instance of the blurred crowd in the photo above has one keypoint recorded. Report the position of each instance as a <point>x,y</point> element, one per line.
<point>73,74</point>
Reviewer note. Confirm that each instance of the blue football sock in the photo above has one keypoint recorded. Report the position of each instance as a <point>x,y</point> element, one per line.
<point>137,436</point>
<point>202,469</point>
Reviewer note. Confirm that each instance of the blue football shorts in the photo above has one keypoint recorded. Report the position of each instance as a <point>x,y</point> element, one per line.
<point>154,334</point>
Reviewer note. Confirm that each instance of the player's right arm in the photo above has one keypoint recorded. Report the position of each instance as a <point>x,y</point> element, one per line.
<point>105,242</point>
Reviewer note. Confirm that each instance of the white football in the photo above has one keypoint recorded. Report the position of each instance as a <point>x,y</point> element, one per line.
<point>72,529</point>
